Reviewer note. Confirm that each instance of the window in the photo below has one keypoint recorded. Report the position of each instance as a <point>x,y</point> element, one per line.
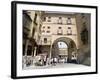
<point>44,19</point>
<point>49,19</point>
<point>69,27</point>
<point>48,27</point>
<point>45,40</point>
<point>48,31</point>
<point>60,20</point>
<point>59,27</point>
<point>69,32</point>
<point>69,20</point>
<point>59,31</point>
<point>60,17</point>
<point>43,26</point>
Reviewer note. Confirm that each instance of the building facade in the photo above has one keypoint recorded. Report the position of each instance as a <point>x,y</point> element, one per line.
<point>31,34</point>
<point>57,35</point>
<point>58,27</point>
<point>83,28</point>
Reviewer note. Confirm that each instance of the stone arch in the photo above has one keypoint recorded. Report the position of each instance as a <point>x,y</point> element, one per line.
<point>69,42</point>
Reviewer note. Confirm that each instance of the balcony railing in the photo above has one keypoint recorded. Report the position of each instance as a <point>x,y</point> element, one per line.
<point>64,34</point>
<point>59,23</point>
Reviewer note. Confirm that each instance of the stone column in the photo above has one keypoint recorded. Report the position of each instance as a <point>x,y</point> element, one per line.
<point>50,51</point>
<point>69,55</point>
<point>35,51</point>
<point>32,55</point>
<point>32,50</point>
<point>26,47</point>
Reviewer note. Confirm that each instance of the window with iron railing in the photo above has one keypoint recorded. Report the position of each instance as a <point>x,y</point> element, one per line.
<point>69,21</point>
<point>60,20</point>
<point>69,31</point>
<point>59,32</point>
<point>49,19</point>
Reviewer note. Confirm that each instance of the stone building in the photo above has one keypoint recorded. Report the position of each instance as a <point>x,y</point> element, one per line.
<point>83,28</point>
<point>31,32</point>
<point>57,34</point>
<point>59,27</point>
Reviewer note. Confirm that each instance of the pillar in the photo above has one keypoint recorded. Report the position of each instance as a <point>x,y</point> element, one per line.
<point>50,51</point>
<point>35,51</point>
<point>26,47</point>
<point>32,50</point>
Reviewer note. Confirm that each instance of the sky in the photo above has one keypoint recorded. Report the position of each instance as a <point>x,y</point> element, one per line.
<point>62,45</point>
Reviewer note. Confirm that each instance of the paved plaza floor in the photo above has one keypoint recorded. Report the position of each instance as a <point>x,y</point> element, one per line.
<point>58,65</point>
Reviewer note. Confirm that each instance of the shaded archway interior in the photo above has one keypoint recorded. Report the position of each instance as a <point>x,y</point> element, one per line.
<point>71,46</point>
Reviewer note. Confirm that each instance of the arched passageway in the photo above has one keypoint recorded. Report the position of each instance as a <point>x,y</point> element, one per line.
<point>63,48</point>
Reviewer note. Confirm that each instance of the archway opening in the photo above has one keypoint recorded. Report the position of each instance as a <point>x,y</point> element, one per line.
<point>64,49</point>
